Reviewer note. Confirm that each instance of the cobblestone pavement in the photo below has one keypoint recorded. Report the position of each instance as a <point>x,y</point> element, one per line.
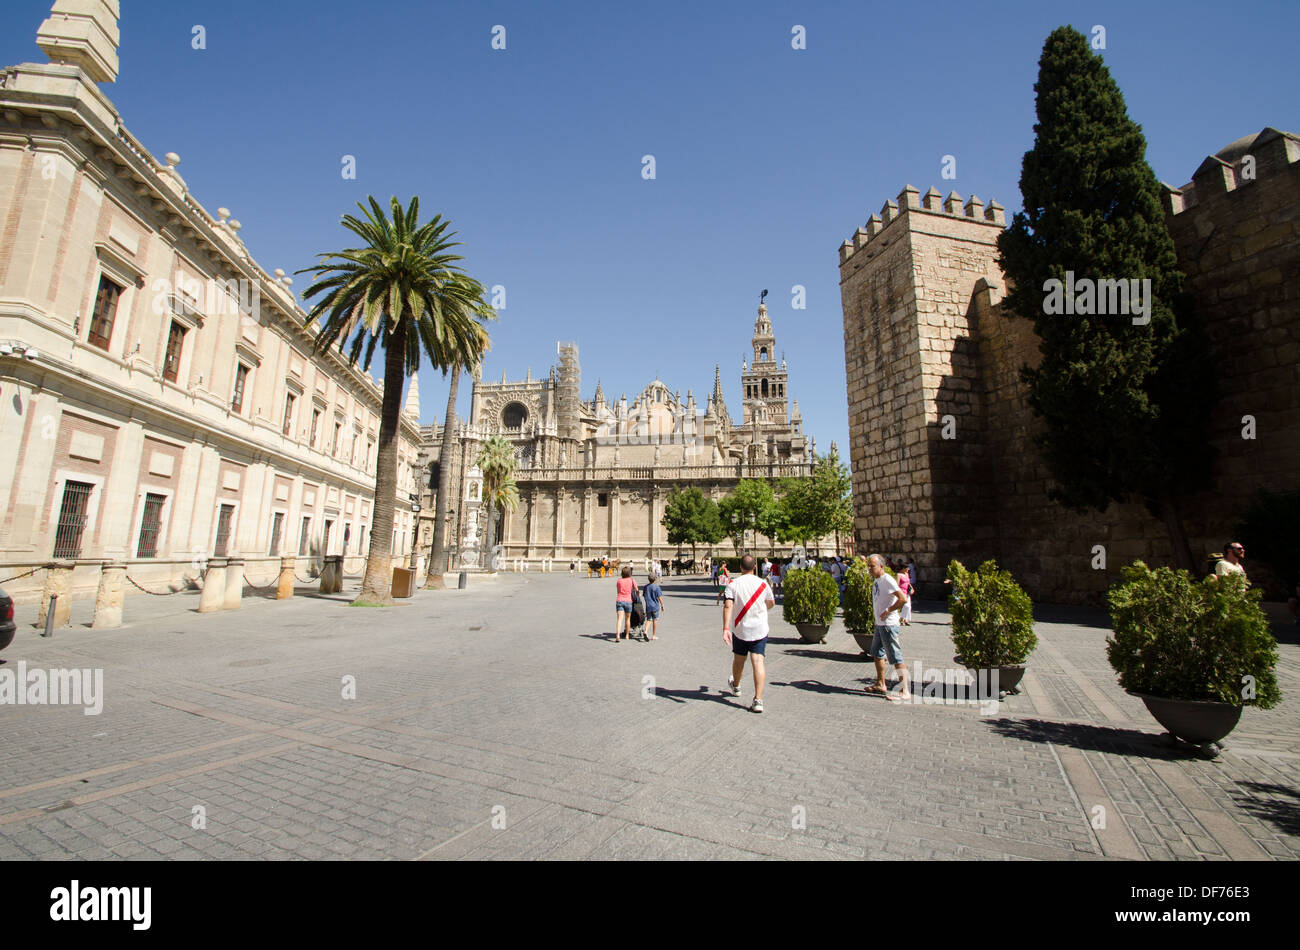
<point>503,721</point>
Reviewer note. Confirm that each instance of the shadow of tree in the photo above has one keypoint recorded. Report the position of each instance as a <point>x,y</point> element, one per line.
<point>816,686</point>
<point>826,654</point>
<point>1279,806</point>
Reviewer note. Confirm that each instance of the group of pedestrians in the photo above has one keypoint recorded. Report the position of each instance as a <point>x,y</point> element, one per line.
<point>746,600</point>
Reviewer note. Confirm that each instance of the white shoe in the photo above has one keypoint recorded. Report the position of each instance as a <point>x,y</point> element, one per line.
<point>732,688</point>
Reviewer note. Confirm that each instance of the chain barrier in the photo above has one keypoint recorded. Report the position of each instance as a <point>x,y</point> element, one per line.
<point>18,577</point>
<point>275,582</point>
<point>164,593</point>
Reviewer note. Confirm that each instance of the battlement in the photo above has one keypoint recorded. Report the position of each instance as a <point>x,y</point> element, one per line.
<point>911,201</point>
<point>1244,162</point>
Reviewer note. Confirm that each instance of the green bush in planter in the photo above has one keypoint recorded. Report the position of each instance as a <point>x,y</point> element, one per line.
<point>1179,638</point>
<point>857,598</point>
<point>992,617</point>
<point>810,596</point>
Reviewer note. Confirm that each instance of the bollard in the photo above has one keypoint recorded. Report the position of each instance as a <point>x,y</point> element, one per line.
<point>234,583</point>
<point>49,617</point>
<point>331,575</point>
<point>284,587</point>
<point>55,598</point>
<point>464,580</point>
<point>109,597</point>
<point>213,595</point>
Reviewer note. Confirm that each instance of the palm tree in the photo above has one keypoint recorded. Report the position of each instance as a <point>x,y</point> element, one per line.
<point>438,557</point>
<point>496,460</point>
<point>401,289</point>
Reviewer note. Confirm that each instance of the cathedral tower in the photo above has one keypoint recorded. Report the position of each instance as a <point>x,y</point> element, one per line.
<point>765,380</point>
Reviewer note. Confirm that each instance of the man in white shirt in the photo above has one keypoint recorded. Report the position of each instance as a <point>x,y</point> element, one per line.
<point>1233,555</point>
<point>886,600</point>
<point>748,599</point>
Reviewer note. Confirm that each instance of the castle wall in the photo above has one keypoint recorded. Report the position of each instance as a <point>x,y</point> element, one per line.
<point>927,340</point>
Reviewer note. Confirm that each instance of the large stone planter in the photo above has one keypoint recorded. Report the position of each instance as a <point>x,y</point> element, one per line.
<point>812,632</point>
<point>1200,723</point>
<point>863,640</point>
<point>1009,677</point>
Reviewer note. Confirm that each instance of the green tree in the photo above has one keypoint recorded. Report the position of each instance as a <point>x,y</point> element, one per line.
<point>691,517</point>
<point>403,291</point>
<point>1125,405</point>
<point>751,506</point>
<point>814,507</point>
<point>496,459</point>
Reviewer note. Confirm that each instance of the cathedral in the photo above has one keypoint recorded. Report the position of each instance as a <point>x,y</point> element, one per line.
<point>594,475</point>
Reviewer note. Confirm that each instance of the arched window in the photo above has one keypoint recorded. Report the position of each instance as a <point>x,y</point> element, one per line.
<point>514,415</point>
<point>765,387</point>
<point>762,353</point>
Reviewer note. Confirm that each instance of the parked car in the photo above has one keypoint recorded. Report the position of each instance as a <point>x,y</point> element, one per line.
<point>6,620</point>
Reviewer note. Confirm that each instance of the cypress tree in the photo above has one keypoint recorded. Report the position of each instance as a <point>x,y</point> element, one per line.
<point>1125,405</point>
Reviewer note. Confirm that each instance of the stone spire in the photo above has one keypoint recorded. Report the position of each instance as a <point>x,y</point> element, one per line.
<point>412,407</point>
<point>83,33</point>
<point>717,387</point>
<point>600,395</point>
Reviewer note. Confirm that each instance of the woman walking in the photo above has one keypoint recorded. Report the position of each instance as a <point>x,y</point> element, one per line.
<point>623,604</point>
<point>724,579</point>
<point>905,585</point>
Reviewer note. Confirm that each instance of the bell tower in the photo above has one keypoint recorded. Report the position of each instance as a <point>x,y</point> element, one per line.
<point>763,382</point>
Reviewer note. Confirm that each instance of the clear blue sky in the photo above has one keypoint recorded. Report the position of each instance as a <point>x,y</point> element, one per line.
<point>767,157</point>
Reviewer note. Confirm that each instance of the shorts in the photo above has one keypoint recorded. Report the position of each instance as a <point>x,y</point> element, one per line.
<point>623,605</point>
<point>652,613</point>
<point>741,647</point>
<point>884,643</point>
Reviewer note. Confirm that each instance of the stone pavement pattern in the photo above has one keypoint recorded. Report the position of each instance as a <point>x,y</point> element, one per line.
<point>503,722</point>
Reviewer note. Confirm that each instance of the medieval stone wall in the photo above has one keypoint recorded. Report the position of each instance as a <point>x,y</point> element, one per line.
<point>936,403</point>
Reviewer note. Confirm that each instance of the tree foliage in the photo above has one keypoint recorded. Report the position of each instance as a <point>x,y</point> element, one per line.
<point>496,460</point>
<point>818,506</point>
<point>402,290</point>
<point>1125,404</point>
<point>691,517</point>
<point>751,506</point>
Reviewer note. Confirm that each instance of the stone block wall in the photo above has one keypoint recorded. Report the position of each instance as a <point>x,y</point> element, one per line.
<point>941,433</point>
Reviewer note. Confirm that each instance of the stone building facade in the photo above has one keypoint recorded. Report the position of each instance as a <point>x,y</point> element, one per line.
<point>161,401</point>
<point>594,475</point>
<point>933,364</point>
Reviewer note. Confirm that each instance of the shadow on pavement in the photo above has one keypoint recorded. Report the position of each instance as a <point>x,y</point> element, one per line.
<point>816,686</point>
<point>828,655</point>
<point>1278,811</point>
<point>704,693</point>
<point>1090,738</point>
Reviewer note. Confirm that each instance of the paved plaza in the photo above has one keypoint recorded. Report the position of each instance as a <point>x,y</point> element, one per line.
<point>503,721</point>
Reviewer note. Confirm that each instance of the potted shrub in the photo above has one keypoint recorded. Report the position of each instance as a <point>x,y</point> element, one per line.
<point>1195,652</point>
<point>810,598</point>
<point>859,614</point>
<point>992,622</point>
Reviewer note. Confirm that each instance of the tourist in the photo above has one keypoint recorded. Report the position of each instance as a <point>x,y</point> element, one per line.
<point>654,600</point>
<point>1230,563</point>
<point>723,579</point>
<point>911,571</point>
<point>905,585</point>
<point>623,604</point>
<point>774,577</point>
<point>748,600</point>
<point>573,565</point>
<point>886,599</point>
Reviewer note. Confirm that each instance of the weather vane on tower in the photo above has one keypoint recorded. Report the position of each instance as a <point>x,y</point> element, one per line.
<point>762,297</point>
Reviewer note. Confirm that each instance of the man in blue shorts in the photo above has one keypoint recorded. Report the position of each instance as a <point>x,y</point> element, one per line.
<point>747,600</point>
<point>886,600</point>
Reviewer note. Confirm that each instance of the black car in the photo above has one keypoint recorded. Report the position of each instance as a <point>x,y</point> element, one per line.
<point>6,620</point>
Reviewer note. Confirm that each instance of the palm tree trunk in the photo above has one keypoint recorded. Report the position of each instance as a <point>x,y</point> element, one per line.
<point>438,561</point>
<point>377,586</point>
<point>491,529</point>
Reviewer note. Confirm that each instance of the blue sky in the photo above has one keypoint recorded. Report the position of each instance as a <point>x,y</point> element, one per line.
<point>766,157</point>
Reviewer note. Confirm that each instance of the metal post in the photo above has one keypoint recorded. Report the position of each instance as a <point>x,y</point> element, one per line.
<point>49,617</point>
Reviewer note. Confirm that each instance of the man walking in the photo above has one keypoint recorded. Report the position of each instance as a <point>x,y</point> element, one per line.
<point>886,599</point>
<point>747,601</point>
<point>1230,563</point>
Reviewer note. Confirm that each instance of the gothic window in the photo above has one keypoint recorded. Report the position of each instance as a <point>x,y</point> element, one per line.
<point>514,415</point>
